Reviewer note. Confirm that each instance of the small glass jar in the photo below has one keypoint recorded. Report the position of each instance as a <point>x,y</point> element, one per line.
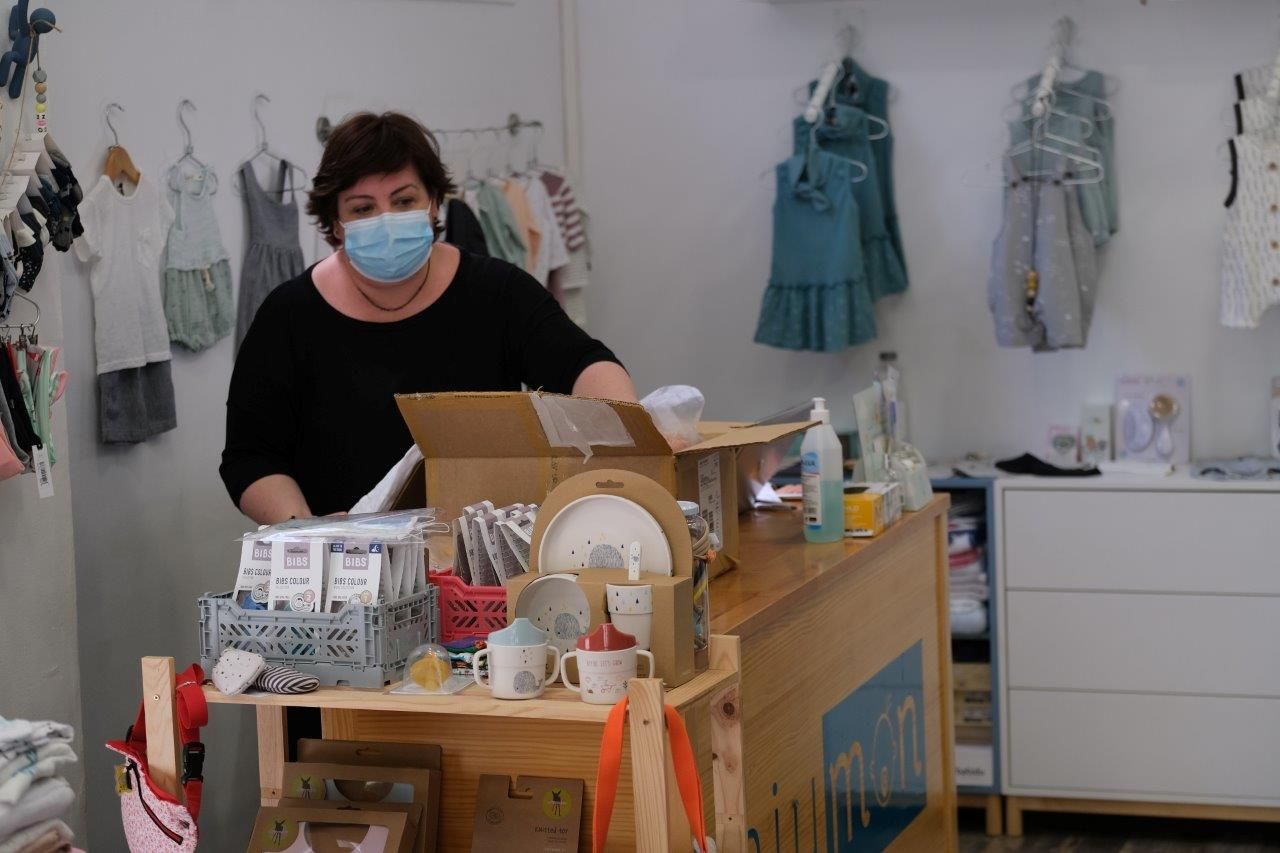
<point>703,542</point>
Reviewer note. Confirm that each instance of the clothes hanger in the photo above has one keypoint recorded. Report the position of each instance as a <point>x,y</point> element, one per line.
<point>207,177</point>
<point>264,150</point>
<point>1037,143</point>
<point>119,163</point>
<point>531,162</point>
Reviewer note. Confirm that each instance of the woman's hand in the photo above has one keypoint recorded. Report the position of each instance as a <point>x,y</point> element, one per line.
<point>274,498</point>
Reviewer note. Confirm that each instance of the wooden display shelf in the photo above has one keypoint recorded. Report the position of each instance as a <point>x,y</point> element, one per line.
<point>557,703</point>
<point>556,734</point>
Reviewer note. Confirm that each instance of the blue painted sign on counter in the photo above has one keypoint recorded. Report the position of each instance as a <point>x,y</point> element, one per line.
<point>873,753</point>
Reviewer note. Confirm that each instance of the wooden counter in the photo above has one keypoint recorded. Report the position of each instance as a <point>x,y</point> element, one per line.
<point>825,724</point>
<point>845,686</point>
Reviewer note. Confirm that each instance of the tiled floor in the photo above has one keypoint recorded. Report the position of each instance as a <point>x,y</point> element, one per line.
<point>1063,833</point>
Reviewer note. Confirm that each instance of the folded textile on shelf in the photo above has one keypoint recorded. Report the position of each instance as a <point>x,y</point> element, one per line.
<point>45,800</point>
<point>49,835</point>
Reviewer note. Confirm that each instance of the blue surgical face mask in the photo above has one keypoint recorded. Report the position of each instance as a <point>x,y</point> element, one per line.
<point>389,248</point>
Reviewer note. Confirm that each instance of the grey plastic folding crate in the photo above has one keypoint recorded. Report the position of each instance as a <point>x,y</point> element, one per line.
<point>360,646</point>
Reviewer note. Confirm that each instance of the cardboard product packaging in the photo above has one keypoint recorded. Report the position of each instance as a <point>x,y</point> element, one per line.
<point>1153,419</point>
<point>517,447</point>
<point>1095,434</point>
<point>368,786</point>
<point>540,815</point>
<point>871,508</point>
<point>384,765</point>
<point>332,830</point>
<point>671,637</point>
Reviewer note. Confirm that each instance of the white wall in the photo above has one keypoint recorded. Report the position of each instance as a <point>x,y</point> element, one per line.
<point>153,523</point>
<point>687,102</point>
<point>39,657</point>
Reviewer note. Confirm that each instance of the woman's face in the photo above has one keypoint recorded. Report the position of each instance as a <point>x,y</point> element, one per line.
<point>374,195</point>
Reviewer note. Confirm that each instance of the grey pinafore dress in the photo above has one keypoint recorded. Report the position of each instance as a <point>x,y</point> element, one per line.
<point>272,253</point>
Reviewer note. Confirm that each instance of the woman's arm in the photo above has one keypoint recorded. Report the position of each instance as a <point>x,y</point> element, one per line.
<point>605,380</point>
<point>274,498</point>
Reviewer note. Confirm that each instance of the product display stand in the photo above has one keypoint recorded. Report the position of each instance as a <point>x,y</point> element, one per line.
<point>555,734</point>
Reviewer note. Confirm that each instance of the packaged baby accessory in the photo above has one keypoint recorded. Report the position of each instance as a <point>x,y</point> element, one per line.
<point>320,829</point>
<point>297,575</point>
<point>355,574</point>
<point>253,585</point>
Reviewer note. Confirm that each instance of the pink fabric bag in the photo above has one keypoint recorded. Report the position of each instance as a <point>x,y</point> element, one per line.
<point>155,822</point>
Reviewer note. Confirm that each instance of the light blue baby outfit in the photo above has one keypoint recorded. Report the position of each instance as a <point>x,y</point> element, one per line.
<point>197,271</point>
<point>847,133</point>
<point>817,298</point>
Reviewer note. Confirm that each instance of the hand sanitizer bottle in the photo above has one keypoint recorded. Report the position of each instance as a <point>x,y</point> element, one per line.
<point>822,478</point>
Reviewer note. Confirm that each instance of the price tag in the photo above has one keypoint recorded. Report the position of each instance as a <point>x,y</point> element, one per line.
<point>44,472</point>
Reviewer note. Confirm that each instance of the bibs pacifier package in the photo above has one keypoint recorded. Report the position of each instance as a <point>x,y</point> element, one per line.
<point>355,574</point>
<point>253,584</point>
<point>297,574</point>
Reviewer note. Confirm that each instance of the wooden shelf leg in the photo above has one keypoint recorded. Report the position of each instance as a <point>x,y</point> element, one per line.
<point>726,759</point>
<point>1013,817</point>
<point>995,815</point>
<point>273,745</point>
<point>649,751</point>
<point>158,683</point>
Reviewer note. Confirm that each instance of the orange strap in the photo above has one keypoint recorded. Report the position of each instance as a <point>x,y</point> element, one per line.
<point>687,778</point>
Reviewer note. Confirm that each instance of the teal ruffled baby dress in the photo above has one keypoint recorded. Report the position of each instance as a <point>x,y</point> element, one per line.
<point>817,298</point>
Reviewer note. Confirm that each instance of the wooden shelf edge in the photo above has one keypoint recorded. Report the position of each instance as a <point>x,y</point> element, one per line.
<point>558,703</point>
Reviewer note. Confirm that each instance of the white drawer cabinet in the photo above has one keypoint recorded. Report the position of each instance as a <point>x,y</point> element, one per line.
<point>1170,541</point>
<point>1220,644</point>
<point>1139,629</point>
<point>1118,743</point>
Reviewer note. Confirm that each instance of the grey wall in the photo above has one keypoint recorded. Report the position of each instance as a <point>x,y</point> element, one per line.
<point>39,657</point>
<point>687,105</point>
<point>154,526</point>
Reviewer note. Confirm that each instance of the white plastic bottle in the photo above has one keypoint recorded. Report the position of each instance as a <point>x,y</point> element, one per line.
<point>822,478</point>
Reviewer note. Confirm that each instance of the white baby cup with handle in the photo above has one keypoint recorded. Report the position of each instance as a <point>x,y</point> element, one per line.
<point>517,656</point>
<point>631,609</point>
<point>607,658</point>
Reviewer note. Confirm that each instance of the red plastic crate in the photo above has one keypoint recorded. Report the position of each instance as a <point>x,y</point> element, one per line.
<point>468,611</point>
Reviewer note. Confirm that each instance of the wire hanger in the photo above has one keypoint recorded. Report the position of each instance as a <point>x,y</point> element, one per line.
<point>263,149</point>
<point>119,163</point>
<point>1040,143</point>
<point>206,177</point>
<point>27,332</point>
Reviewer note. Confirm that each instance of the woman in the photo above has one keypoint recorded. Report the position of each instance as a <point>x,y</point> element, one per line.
<point>312,423</point>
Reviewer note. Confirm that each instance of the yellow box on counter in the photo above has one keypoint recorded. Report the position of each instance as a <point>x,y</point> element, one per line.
<point>870,508</point>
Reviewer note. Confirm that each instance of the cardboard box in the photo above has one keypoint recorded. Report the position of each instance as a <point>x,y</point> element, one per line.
<point>541,815</point>
<point>342,784</point>
<point>332,830</point>
<point>871,508</point>
<point>492,446</point>
<point>742,456</point>
<point>672,635</point>
<point>418,756</point>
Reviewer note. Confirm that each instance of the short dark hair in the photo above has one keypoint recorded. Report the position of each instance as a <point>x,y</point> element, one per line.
<point>369,144</point>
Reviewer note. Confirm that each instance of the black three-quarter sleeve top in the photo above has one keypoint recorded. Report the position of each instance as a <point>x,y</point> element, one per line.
<point>313,391</point>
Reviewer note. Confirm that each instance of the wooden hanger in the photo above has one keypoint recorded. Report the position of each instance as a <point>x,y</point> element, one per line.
<point>119,164</point>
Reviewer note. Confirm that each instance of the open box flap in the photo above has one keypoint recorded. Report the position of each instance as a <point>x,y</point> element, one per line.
<point>505,425</point>
<point>722,434</point>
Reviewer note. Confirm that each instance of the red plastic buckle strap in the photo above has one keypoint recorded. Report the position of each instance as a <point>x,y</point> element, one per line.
<point>687,778</point>
<point>193,715</point>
